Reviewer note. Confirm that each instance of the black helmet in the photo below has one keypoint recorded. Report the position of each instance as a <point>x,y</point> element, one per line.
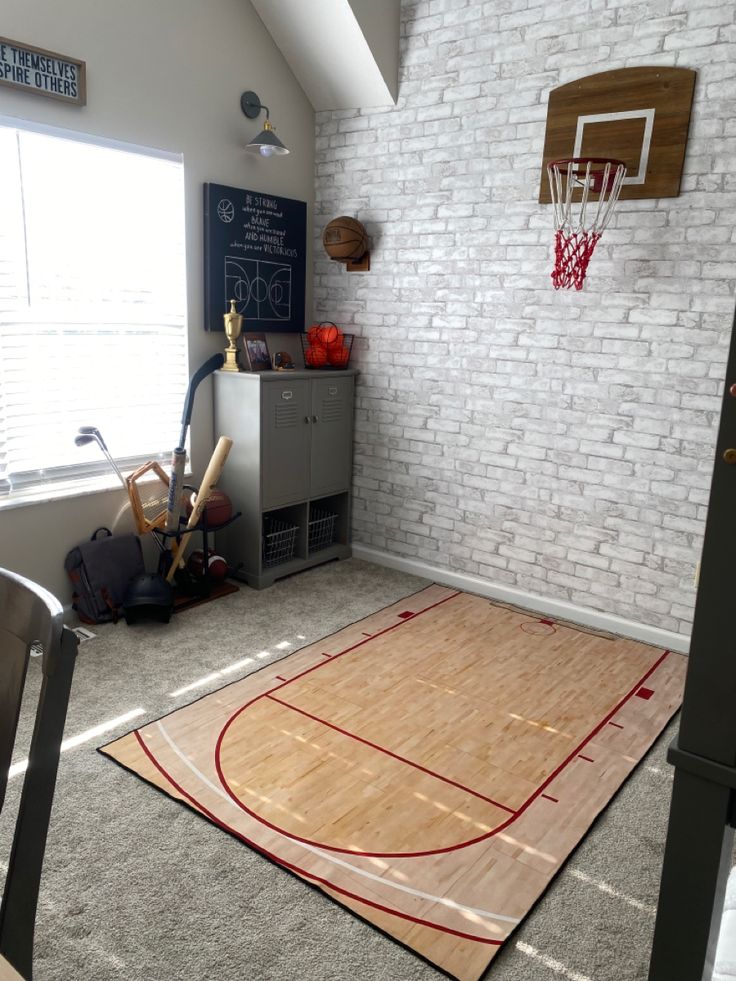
<point>150,597</point>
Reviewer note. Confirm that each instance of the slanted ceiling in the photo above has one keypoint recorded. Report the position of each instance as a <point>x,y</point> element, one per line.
<point>344,53</point>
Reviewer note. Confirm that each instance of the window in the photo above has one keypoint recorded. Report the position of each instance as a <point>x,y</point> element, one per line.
<point>92,305</point>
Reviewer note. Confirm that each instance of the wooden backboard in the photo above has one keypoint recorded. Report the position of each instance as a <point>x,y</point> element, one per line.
<point>638,115</point>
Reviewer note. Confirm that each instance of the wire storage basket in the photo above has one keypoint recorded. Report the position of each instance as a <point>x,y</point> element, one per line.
<point>279,540</point>
<point>321,530</point>
<point>327,347</point>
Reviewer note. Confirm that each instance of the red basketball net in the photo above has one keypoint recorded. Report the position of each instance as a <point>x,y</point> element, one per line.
<point>584,193</point>
<point>572,255</point>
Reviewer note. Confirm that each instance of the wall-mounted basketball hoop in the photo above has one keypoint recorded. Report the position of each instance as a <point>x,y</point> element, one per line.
<point>635,117</point>
<point>584,193</point>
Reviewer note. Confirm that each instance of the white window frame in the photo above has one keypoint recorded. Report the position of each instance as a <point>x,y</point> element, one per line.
<point>92,476</point>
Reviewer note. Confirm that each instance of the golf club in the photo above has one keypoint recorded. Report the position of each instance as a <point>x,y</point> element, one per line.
<point>88,434</point>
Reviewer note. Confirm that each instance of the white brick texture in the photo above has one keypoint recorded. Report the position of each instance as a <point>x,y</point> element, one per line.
<point>558,442</point>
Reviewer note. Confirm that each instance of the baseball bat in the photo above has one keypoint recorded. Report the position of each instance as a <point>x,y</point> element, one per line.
<point>211,476</point>
<point>176,480</point>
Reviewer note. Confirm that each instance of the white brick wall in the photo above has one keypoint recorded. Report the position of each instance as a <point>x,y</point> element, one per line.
<point>561,442</point>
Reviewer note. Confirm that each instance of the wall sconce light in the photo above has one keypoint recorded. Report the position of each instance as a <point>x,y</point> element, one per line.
<point>266,143</point>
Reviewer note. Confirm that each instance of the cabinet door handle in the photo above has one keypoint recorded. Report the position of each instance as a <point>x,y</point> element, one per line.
<point>315,418</point>
<point>307,419</point>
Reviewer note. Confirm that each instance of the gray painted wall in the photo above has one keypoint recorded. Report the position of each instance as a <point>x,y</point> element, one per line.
<point>169,75</point>
<point>559,443</point>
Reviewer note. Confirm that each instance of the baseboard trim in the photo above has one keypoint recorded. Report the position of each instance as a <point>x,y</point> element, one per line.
<point>519,597</point>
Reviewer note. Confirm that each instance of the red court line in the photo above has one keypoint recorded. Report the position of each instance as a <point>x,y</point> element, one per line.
<point>387,752</point>
<point>347,650</point>
<point>295,868</point>
<point>433,851</point>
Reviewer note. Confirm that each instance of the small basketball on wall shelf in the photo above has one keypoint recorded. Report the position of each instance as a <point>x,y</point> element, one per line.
<point>325,345</point>
<point>346,240</point>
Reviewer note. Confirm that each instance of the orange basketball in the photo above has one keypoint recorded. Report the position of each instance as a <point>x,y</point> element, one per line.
<point>329,334</point>
<point>344,238</point>
<point>316,356</point>
<point>313,334</point>
<point>338,356</point>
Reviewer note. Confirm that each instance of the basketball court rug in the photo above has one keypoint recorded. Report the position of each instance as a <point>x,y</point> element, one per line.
<point>430,767</point>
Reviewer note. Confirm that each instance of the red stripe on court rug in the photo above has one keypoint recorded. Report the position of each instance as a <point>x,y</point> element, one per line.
<point>388,752</point>
<point>515,815</point>
<point>295,868</point>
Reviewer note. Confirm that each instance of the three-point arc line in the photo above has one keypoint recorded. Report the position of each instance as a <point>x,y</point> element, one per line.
<point>513,814</point>
<point>295,868</point>
<point>361,899</point>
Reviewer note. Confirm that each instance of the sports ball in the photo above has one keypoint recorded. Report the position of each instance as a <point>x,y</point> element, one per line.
<point>338,356</point>
<point>316,357</point>
<point>329,334</point>
<point>344,238</point>
<point>217,566</point>
<point>218,508</point>
<point>313,334</point>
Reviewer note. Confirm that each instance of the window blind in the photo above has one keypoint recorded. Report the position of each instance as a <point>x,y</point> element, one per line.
<point>92,305</point>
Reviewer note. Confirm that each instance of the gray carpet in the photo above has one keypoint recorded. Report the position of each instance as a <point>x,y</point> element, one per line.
<point>138,887</point>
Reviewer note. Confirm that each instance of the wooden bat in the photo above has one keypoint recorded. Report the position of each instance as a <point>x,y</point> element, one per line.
<point>211,476</point>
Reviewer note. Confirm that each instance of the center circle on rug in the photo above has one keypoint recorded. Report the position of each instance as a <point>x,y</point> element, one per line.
<point>311,780</point>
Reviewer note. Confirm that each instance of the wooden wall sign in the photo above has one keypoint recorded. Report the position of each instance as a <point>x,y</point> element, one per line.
<point>42,72</point>
<point>638,115</point>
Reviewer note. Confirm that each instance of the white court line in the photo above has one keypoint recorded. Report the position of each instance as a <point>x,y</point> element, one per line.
<point>450,903</point>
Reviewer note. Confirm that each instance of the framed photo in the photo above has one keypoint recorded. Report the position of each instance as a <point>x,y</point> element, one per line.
<point>254,352</point>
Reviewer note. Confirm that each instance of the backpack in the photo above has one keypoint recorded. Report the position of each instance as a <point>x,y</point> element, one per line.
<point>100,571</point>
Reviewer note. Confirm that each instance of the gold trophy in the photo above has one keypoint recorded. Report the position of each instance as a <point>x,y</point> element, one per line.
<point>233,327</point>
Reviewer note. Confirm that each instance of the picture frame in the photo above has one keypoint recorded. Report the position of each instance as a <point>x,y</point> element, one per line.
<point>253,352</point>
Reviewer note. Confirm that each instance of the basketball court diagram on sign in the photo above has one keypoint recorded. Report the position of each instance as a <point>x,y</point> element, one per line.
<point>261,289</point>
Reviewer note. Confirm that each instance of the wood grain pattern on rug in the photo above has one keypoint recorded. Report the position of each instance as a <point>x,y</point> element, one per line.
<point>430,767</point>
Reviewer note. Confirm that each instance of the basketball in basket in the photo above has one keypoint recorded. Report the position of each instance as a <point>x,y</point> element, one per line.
<point>584,194</point>
<point>344,238</point>
<point>326,346</point>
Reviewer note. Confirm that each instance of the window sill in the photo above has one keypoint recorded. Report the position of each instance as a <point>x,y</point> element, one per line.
<point>64,490</point>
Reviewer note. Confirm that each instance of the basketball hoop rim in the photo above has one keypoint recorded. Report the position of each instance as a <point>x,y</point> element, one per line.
<point>584,161</point>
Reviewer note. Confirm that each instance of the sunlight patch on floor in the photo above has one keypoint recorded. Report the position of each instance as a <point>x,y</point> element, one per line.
<point>610,891</point>
<point>83,737</point>
<point>557,966</point>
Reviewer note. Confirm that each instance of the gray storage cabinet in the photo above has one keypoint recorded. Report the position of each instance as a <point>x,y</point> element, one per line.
<point>289,470</point>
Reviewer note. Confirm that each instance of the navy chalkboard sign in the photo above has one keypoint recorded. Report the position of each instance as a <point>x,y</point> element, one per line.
<point>255,248</point>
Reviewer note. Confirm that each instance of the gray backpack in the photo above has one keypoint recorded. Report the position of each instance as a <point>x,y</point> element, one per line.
<point>100,571</point>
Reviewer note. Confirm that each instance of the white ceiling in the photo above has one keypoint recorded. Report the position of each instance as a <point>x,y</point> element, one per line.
<point>344,53</point>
